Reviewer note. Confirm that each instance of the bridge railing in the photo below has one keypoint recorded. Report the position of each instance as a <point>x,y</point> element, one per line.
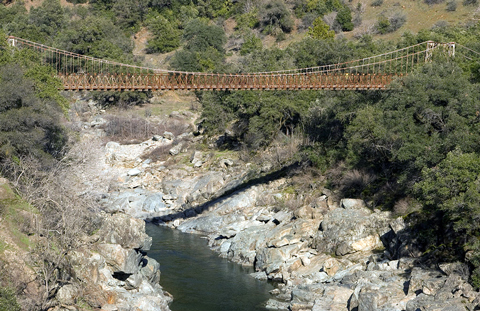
<point>80,72</point>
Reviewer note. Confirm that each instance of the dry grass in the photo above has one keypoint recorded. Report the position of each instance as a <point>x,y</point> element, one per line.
<point>164,103</point>
<point>405,206</point>
<point>129,129</point>
<point>161,153</point>
<point>419,15</point>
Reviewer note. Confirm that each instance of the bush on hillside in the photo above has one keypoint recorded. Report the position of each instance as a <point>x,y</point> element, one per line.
<point>320,30</point>
<point>451,6</point>
<point>344,18</point>
<point>390,24</point>
<point>8,301</point>
<point>28,124</point>
<point>430,2</point>
<point>251,44</point>
<point>275,15</point>
<point>165,39</point>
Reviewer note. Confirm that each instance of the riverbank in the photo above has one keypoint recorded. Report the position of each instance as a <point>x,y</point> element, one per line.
<point>325,251</point>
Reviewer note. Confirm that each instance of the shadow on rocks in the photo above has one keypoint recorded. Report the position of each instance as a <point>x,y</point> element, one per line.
<point>226,194</point>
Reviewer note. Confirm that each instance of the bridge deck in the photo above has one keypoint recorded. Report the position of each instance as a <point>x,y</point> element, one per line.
<point>168,81</point>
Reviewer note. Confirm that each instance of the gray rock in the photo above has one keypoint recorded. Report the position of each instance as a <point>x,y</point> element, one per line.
<point>426,281</point>
<point>205,224</point>
<point>121,260</point>
<point>98,121</point>
<point>455,267</point>
<point>245,243</point>
<point>154,203</point>
<point>344,231</point>
<point>225,247</point>
<point>124,230</point>
<point>168,135</point>
<point>176,149</point>
<point>428,303</point>
<point>261,275</point>
<point>67,294</point>
<point>273,304</point>
<point>226,162</point>
<point>109,307</point>
<point>205,187</point>
<point>86,265</point>
<point>133,281</point>
<point>196,157</point>
<point>282,216</point>
<point>271,260</point>
<point>157,138</point>
<point>150,269</point>
<point>119,205</point>
<point>134,172</point>
<point>352,204</point>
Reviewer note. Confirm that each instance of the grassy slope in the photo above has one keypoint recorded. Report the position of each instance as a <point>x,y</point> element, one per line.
<point>13,213</point>
<point>419,15</point>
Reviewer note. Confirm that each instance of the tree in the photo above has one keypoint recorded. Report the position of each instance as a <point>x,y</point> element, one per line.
<point>95,36</point>
<point>251,43</point>
<point>203,50</point>
<point>199,36</point>
<point>49,17</point>
<point>28,125</point>
<point>166,37</point>
<point>453,186</point>
<point>275,15</point>
<point>344,18</point>
<point>320,30</point>
<point>129,13</point>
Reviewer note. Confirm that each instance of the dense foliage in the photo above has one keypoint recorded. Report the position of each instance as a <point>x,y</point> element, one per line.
<point>30,108</point>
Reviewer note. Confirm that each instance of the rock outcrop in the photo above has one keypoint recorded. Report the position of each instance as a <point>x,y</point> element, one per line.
<point>116,272</point>
<point>326,253</point>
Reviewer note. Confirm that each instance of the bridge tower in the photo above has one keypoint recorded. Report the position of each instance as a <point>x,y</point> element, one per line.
<point>446,48</point>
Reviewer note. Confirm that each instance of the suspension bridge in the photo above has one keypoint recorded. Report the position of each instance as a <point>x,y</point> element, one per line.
<point>80,72</point>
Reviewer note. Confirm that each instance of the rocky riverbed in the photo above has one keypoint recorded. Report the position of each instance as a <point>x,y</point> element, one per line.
<point>325,252</point>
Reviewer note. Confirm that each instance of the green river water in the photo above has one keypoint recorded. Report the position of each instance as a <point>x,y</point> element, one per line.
<point>198,279</point>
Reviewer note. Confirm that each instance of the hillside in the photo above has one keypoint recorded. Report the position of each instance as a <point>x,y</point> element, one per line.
<point>411,152</point>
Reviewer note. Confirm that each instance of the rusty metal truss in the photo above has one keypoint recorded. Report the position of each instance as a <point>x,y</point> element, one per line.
<point>79,72</point>
<point>168,81</point>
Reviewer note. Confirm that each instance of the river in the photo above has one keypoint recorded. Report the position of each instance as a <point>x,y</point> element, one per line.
<point>198,279</point>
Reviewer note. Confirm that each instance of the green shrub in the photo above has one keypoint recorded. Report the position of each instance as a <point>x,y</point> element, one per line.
<point>8,301</point>
<point>430,2</point>
<point>344,18</point>
<point>320,30</point>
<point>166,38</point>
<point>275,14</point>
<point>251,43</point>
<point>451,6</point>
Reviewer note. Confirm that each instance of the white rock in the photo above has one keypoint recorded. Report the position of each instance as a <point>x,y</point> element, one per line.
<point>134,172</point>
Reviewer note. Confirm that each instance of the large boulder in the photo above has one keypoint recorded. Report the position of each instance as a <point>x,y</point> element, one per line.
<point>205,187</point>
<point>124,230</point>
<point>154,203</point>
<point>350,229</point>
<point>150,269</point>
<point>87,265</point>
<point>125,261</point>
<point>244,244</point>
